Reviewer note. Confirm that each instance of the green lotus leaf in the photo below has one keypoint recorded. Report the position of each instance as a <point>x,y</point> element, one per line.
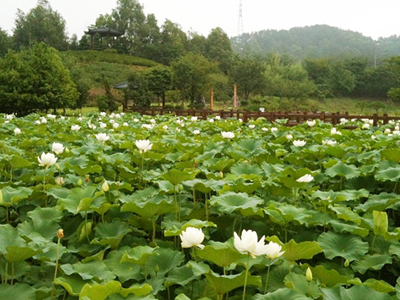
<point>284,293</point>
<point>221,254</point>
<point>356,292</point>
<point>230,202</point>
<point>345,213</point>
<point>389,174</point>
<point>138,255</point>
<point>15,253</point>
<point>282,213</point>
<point>78,199</point>
<point>246,169</point>
<point>111,233</point>
<point>114,159</point>
<point>303,250</point>
<point>176,177</point>
<point>123,270</point>
<point>344,227</point>
<point>204,186</point>
<point>93,270</point>
<point>381,222</point>
<point>82,171</point>
<point>159,265</point>
<point>182,297</point>
<point>242,185</point>
<point>154,206</point>
<point>392,154</point>
<point>348,246</point>
<point>329,278</point>
<point>300,283</point>
<point>9,237</point>
<point>223,284</point>
<point>73,283</point>
<point>371,262</point>
<point>251,145</point>
<point>378,202</point>
<point>17,291</point>
<point>343,170</point>
<point>10,196</point>
<point>102,291</point>
<point>18,162</point>
<point>78,160</point>
<point>378,285</point>
<point>183,275</point>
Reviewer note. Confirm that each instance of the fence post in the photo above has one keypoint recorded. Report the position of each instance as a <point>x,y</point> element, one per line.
<point>375,118</point>
<point>385,118</point>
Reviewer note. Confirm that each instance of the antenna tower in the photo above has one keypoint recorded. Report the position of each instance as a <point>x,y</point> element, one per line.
<point>240,22</point>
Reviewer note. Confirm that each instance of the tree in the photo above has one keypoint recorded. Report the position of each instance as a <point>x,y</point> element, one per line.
<point>196,43</point>
<point>173,42</point>
<point>248,73</point>
<point>219,49</point>
<point>129,18</point>
<point>41,24</point>
<point>35,80</point>
<point>192,75</point>
<point>5,43</point>
<point>159,80</point>
<point>138,89</point>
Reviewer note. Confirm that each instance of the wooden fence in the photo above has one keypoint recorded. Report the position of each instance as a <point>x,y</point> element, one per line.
<point>293,118</point>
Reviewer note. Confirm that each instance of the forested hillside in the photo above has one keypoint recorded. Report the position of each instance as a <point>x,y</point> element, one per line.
<point>316,42</point>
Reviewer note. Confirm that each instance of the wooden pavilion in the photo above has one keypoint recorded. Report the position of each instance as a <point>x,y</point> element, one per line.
<point>106,32</point>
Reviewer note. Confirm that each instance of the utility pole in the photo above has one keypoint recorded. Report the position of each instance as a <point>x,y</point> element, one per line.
<point>240,22</point>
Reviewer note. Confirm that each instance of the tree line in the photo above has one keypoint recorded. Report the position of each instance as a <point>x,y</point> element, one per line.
<point>189,64</point>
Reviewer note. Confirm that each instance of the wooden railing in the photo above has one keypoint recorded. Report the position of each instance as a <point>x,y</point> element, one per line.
<point>293,118</point>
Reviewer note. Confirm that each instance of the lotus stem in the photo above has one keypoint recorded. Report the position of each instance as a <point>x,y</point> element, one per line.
<point>60,234</point>
<point>245,276</point>
<point>266,281</point>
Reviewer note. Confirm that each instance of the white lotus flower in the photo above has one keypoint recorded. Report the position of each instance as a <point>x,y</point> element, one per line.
<point>102,137</point>
<point>262,109</point>
<point>305,178</point>
<point>165,127</point>
<point>75,127</point>
<point>299,143</point>
<point>10,117</point>
<point>47,159</point>
<point>103,113</point>
<point>252,126</point>
<point>178,129</point>
<point>43,120</point>
<point>51,116</point>
<point>17,131</point>
<point>273,129</point>
<point>328,142</point>
<point>211,120</point>
<point>115,125</point>
<point>193,119</point>
<point>148,126</point>
<point>227,135</point>
<point>196,131</point>
<point>264,129</point>
<point>192,237</point>
<point>59,180</point>
<point>102,125</point>
<point>125,124</point>
<point>249,243</point>
<point>334,131</point>
<point>289,136</point>
<point>136,120</point>
<point>311,123</point>
<point>57,148</point>
<point>217,117</point>
<point>366,126</point>
<point>143,145</point>
<point>38,122</point>
<point>273,250</point>
<point>387,131</point>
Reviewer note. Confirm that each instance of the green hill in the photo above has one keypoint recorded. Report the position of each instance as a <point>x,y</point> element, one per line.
<point>94,64</point>
<point>315,42</point>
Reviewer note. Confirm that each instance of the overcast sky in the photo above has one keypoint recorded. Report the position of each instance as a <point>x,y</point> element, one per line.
<point>371,18</point>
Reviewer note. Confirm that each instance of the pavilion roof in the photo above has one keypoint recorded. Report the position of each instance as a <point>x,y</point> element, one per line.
<point>104,31</point>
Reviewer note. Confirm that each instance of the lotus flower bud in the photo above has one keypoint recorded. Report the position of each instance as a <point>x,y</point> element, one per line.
<point>309,275</point>
<point>60,233</point>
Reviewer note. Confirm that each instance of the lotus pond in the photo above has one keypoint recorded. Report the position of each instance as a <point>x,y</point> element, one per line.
<point>98,206</point>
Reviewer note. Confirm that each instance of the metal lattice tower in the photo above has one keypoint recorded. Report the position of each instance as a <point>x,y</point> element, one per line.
<point>240,22</point>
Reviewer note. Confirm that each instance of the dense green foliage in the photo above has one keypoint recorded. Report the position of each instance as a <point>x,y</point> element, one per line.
<point>41,24</point>
<point>122,209</point>
<point>316,41</point>
<point>35,80</point>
